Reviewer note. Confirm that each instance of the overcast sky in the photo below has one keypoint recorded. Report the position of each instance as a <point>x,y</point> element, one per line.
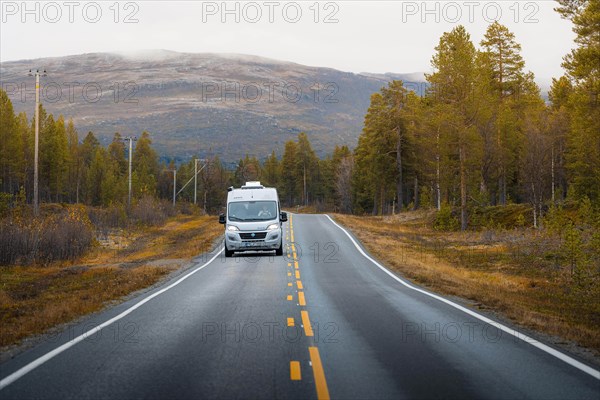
<point>356,36</point>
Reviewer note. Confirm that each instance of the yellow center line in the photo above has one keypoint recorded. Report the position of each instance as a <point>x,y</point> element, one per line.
<point>290,322</point>
<point>289,283</point>
<point>320,382</point>
<point>289,297</point>
<point>315,358</point>
<point>295,374</point>
<point>289,274</point>
<point>289,264</point>
<point>301,299</point>
<point>291,230</point>
<point>308,331</point>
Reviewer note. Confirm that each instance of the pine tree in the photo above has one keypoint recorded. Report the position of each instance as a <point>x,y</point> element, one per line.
<point>558,123</point>
<point>306,169</point>
<point>61,153</point>
<point>375,159</point>
<point>453,92</point>
<point>116,150</point>
<point>145,166</point>
<point>53,158</point>
<point>87,153</point>
<point>12,149</point>
<point>342,168</point>
<point>419,160</point>
<point>582,66</point>
<point>288,174</point>
<point>270,171</point>
<point>502,54</point>
<point>395,97</point>
<point>215,181</point>
<point>23,130</point>
<point>74,163</point>
<point>113,185</point>
<point>97,174</point>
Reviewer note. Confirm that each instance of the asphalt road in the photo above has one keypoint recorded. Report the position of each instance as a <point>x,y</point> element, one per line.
<point>324,321</point>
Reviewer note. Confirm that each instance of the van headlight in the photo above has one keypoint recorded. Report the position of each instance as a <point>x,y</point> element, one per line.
<point>272,227</point>
<point>232,228</point>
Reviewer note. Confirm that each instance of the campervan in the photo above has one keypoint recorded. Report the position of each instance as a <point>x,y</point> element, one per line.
<point>253,220</point>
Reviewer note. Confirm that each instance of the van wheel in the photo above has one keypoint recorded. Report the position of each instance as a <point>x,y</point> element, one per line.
<point>279,251</point>
<point>228,253</point>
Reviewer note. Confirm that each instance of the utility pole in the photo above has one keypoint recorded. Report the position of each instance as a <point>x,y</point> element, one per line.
<point>174,185</point>
<point>175,192</point>
<point>195,179</point>
<point>131,139</point>
<point>36,201</point>
<point>305,194</point>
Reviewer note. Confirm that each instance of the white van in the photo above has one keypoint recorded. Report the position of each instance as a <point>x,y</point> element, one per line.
<point>253,220</point>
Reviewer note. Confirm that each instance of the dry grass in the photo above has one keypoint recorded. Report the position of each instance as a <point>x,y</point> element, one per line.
<point>484,268</point>
<point>36,298</point>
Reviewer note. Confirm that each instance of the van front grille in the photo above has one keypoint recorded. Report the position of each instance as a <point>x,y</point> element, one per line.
<point>253,235</point>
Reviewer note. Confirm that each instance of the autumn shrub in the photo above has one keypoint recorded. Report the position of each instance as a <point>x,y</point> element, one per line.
<point>105,220</point>
<point>187,208</point>
<point>445,220</point>
<point>152,212</point>
<point>60,236</point>
<point>501,217</point>
<point>113,216</point>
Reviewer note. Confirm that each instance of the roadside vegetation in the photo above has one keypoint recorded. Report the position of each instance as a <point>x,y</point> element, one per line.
<point>544,279</point>
<point>74,260</point>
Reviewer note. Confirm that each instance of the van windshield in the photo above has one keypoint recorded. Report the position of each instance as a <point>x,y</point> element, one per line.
<point>252,211</point>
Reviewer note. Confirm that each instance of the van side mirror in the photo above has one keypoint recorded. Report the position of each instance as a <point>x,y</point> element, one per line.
<point>221,218</point>
<point>283,216</point>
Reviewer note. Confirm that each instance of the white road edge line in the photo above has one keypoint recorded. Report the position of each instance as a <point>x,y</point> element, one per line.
<point>48,356</point>
<point>561,356</point>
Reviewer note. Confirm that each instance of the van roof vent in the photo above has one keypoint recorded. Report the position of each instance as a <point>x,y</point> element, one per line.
<point>253,185</point>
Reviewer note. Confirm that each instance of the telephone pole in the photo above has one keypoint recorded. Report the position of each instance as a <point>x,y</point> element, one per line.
<point>196,172</point>
<point>195,180</point>
<point>131,139</point>
<point>36,202</point>
<point>174,185</point>
<point>305,194</point>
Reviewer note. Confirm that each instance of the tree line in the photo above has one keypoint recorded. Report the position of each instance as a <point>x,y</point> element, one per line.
<point>74,170</point>
<point>83,171</point>
<point>481,135</point>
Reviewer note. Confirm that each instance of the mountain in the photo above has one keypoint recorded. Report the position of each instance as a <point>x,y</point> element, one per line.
<point>225,104</point>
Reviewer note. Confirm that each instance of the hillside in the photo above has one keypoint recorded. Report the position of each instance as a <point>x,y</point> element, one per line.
<point>206,104</point>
